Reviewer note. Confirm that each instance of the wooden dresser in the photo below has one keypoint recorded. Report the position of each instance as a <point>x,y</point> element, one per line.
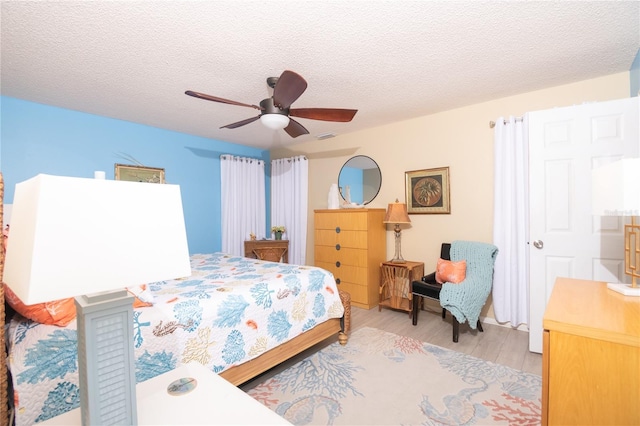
<point>351,244</point>
<point>590,356</point>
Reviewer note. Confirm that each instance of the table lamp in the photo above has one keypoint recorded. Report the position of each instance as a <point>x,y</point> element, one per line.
<point>92,238</point>
<point>616,192</point>
<point>397,214</point>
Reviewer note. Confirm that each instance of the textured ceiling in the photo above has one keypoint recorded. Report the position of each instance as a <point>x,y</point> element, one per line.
<point>391,60</point>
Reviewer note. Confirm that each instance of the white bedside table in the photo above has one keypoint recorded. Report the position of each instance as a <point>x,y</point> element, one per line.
<point>213,402</point>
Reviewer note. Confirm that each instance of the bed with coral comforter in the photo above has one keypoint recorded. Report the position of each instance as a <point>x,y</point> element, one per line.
<point>229,311</point>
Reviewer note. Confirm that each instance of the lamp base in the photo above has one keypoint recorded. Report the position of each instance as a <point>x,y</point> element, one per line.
<point>397,257</point>
<point>625,289</point>
<point>106,363</point>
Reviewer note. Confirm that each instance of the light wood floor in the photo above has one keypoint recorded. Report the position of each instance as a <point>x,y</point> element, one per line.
<point>501,345</point>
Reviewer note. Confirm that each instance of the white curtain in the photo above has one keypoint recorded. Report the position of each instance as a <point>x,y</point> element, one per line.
<point>243,201</point>
<point>511,221</point>
<point>289,194</point>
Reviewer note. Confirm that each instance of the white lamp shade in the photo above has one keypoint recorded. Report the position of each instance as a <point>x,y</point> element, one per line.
<point>616,188</point>
<point>275,121</point>
<point>73,236</point>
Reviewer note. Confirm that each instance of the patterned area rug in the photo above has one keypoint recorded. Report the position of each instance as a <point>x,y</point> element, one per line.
<point>380,378</point>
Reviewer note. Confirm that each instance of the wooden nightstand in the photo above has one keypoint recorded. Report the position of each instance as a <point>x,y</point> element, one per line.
<point>398,293</point>
<point>214,401</point>
<point>249,245</point>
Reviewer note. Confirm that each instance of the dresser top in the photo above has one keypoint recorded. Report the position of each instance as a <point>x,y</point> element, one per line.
<point>588,308</point>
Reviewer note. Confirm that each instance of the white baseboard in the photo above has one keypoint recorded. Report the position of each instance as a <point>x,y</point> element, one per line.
<point>487,320</point>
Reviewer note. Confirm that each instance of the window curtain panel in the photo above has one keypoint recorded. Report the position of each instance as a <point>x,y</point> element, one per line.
<point>511,221</point>
<point>243,201</point>
<point>289,199</point>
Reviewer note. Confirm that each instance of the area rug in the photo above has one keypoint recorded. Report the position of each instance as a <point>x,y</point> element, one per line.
<point>380,378</point>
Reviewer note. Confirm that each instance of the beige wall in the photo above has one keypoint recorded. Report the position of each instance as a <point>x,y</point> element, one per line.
<point>460,139</point>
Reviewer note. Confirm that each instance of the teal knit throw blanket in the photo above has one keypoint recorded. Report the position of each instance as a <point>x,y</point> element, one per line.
<point>466,299</point>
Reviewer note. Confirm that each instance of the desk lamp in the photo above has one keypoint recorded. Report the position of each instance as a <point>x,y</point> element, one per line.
<point>91,238</point>
<point>616,192</point>
<point>397,214</point>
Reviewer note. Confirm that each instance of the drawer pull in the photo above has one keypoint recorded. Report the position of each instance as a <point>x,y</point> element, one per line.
<point>337,229</point>
<point>337,280</point>
<point>337,246</point>
<point>337,264</point>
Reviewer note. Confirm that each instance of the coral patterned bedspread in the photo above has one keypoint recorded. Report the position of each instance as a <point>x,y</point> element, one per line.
<point>230,310</point>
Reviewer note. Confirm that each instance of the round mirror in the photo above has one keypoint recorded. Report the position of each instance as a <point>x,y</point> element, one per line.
<point>359,180</point>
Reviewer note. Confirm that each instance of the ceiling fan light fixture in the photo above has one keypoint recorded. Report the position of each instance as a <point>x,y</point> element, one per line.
<point>275,121</point>
<point>275,110</point>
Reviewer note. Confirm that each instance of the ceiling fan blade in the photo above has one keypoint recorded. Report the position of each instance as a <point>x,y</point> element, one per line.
<point>324,114</point>
<point>288,88</point>
<point>217,99</point>
<point>240,123</point>
<point>295,129</point>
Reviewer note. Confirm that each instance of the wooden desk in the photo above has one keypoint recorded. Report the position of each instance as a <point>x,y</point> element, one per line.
<point>416,272</point>
<point>590,355</point>
<point>252,244</point>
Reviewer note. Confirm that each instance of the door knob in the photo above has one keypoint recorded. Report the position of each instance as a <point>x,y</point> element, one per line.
<point>538,244</point>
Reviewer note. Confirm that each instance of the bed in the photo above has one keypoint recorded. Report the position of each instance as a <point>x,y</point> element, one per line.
<point>237,316</point>
<point>4,406</point>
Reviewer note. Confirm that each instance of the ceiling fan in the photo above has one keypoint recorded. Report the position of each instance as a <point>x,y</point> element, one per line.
<point>275,112</point>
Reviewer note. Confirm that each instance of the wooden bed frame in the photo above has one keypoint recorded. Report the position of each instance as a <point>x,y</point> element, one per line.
<point>250,369</point>
<point>236,375</point>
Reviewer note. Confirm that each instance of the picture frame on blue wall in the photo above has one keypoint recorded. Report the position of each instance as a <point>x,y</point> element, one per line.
<point>139,173</point>
<point>428,191</point>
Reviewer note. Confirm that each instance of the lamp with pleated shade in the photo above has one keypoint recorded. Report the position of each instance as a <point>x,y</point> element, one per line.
<point>397,215</point>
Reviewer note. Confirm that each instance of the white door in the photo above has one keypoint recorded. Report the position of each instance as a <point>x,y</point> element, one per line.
<point>566,240</point>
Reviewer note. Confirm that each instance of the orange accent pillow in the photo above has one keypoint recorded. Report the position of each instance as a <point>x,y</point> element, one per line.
<point>58,312</point>
<point>143,297</point>
<point>451,272</point>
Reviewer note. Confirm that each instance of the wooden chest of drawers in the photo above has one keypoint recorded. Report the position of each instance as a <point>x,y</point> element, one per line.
<point>590,356</point>
<point>351,243</point>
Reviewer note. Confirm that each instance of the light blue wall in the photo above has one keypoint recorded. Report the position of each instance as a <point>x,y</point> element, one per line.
<point>355,178</point>
<point>36,138</point>
<point>634,75</point>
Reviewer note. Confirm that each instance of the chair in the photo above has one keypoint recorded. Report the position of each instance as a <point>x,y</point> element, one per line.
<point>466,299</point>
<point>272,254</point>
<point>394,287</point>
